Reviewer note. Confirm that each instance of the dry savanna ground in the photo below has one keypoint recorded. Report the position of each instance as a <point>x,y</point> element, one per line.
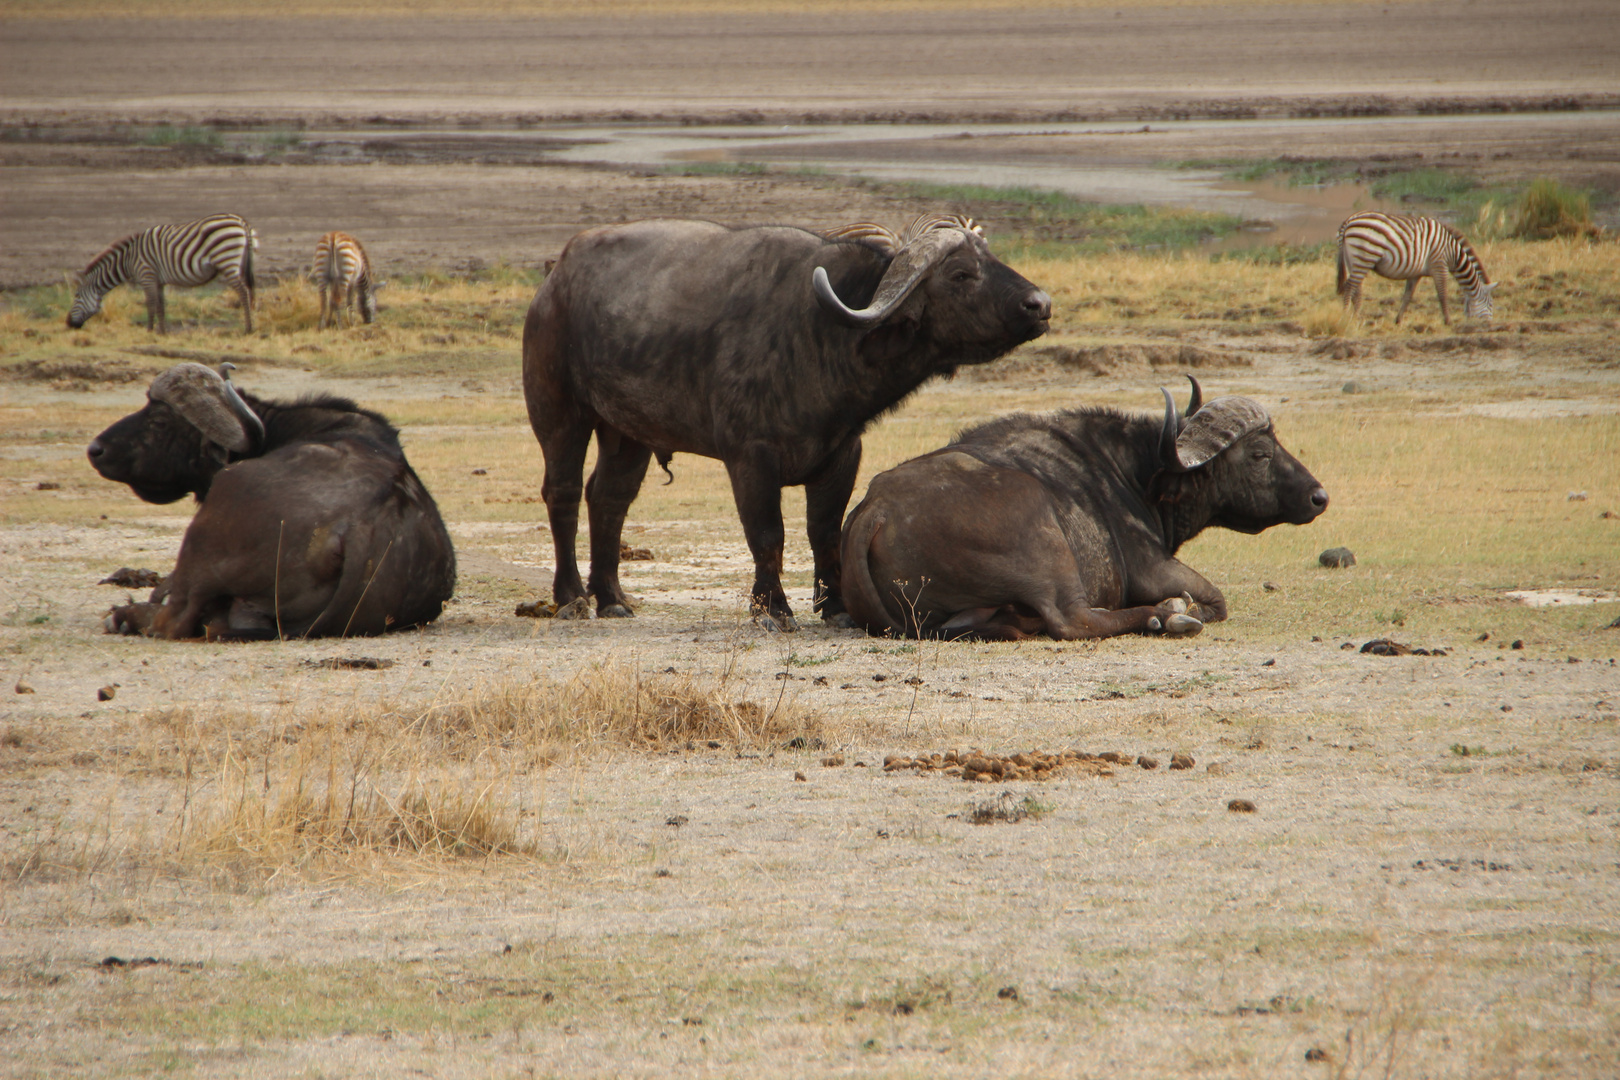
<point>509,846</point>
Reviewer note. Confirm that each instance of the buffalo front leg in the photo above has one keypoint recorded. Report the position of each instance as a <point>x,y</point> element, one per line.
<point>621,465</point>
<point>756,485</point>
<point>1173,578</point>
<point>826,498</point>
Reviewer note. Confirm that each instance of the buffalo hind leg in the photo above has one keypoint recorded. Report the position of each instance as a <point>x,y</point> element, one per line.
<point>826,498</point>
<point>621,466</point>
<point>564,450</point>
<point>757,487</point>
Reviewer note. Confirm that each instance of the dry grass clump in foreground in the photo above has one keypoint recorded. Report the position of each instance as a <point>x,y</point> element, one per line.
<point>447,780</point>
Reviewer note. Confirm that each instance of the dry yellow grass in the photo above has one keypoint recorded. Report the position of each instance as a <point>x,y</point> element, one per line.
<point>322,784</point>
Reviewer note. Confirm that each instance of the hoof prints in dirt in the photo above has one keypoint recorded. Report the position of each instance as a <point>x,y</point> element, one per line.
<point>978,766</point>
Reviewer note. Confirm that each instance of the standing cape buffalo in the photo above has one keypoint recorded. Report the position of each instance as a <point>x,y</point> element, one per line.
<point>311,523</point>
<point>1067,523</point>
<point>667,337</point>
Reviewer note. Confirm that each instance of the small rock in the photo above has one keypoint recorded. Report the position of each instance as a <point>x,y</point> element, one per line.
<point>833,761</point>
<point>1008,993</point>
<point>1337,558</point>
<point>1182,761</point>
<point>23,687</point>
<point>1147,762</point>
<point>1575,496</point>
<point>480,472</point>
<point>1351,387</point>
<point>800,776</point>
<point>634,554</point>
<point>1216,768</point>
<point>675,821</point>
<point>1518,643</point>
<point>47,485</point>
<point>106,693</point>
<point>1270,586</point>
<point>1486,636</point>
<point>1270,663</point>
<point>1240,806</point>
<point>1316,1053</point>
<point>1386,647</point>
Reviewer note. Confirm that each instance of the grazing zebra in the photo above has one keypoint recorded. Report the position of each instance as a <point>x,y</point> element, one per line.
<point>889,242</point>
<point>343,274</point>
<point>1404,247</point>
<point>187,254</point>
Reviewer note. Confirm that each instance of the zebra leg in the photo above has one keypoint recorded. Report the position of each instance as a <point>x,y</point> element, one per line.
<point>246,295</point>
<point>1439,272</point>
<point>1406,298</point>
<point>326,304</point>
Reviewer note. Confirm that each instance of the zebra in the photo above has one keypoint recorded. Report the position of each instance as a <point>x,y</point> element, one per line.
<point>1405,247</point>
<point>343,275</point>
<point>191,253</point>
<point>886,239</point>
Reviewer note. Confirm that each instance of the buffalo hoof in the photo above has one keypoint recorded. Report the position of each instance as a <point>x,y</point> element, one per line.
<point>773,624</point>
<point>1182,626</point>
<point>839,621</point>
<point>614,611</point>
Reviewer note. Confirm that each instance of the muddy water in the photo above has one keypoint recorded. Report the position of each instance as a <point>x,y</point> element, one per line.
<point>1107,163</point>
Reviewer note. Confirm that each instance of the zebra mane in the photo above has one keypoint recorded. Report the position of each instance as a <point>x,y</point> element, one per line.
<point>116,245</point>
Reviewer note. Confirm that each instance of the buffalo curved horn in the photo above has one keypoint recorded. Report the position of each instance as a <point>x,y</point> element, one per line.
<point>200,396</point>
<point>1195,402</point>
<point>909,266</point>
<point>250,419</point>
<point>1216,426</point>
<point>1167,435</point>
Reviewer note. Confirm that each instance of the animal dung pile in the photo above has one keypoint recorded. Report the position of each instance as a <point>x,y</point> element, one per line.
<point>1391,647</point>
<point>983,767</point>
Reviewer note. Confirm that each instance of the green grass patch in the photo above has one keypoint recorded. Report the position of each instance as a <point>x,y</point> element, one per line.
<point>188,135</point>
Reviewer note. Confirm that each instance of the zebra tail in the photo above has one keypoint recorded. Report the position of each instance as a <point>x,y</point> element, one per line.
<point>1342,272</point>
<point>247,259</point>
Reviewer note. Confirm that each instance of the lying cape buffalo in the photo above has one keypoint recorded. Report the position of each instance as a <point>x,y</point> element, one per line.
<point>1068,523</point>
<point>311,521</point>
<point>667,337</point>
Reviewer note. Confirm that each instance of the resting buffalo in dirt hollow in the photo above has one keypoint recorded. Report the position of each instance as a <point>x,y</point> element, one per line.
<point>770,349</point>
<point>311,522</point>
<point>1068,523</point>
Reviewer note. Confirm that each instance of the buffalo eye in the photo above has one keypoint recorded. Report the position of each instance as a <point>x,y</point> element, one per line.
<point>962,276</point>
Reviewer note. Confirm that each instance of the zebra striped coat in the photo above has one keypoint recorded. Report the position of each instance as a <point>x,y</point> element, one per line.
<point>192,253</point>
<point>1405,247</point>
<point>343,275</point>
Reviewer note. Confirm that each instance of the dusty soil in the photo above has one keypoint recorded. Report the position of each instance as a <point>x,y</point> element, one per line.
<point>1402,907</point>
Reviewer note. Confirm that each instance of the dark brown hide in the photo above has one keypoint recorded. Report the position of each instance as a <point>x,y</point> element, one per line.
<point>665,337</point>
<point>1065,524</point>
<point>324,531</point>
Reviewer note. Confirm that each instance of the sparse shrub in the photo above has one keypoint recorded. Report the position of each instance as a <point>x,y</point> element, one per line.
<point>1548,209</point>
<point>1327,318</point>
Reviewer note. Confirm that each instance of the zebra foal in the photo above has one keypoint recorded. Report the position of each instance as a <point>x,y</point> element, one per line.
<point>343,275</point>
<point>191,253</point>
<point>1405,247</point>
